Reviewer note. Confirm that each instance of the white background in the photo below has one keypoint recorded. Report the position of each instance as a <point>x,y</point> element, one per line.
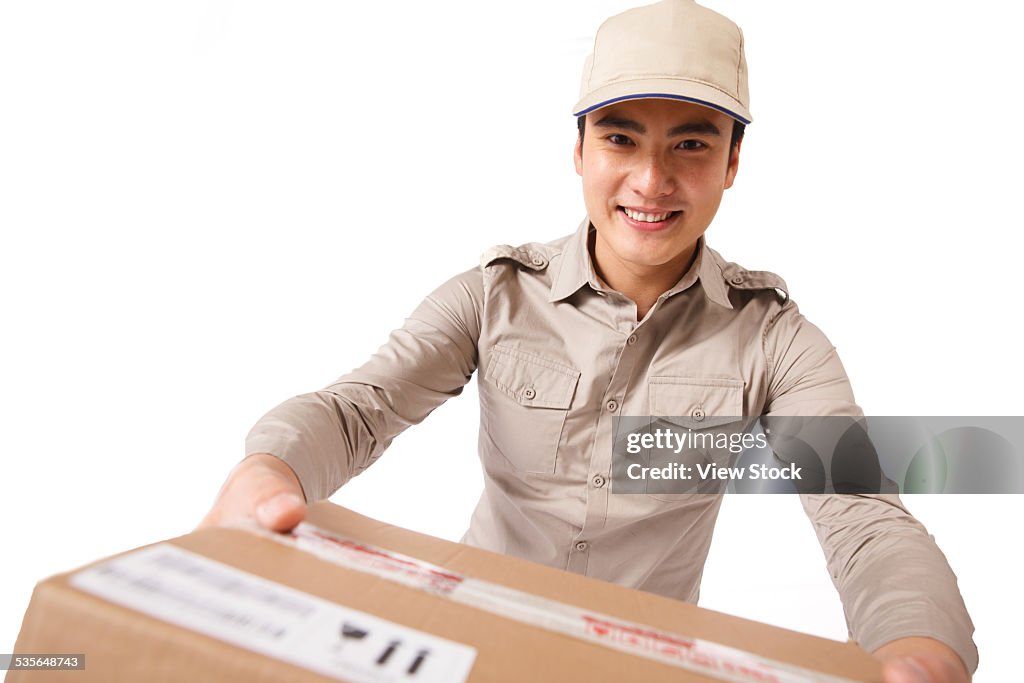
<point>209,207</point>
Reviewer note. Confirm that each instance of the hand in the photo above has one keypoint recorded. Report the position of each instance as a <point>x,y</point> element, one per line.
<point>263,488</point>
<point>920,660</point>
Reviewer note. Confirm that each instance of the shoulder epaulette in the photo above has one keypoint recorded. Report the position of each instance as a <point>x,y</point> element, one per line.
<point>529,258</point>
<point>738,277</point>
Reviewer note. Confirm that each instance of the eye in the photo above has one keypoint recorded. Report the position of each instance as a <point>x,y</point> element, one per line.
<point>618,139</point>
<point>692,145</point>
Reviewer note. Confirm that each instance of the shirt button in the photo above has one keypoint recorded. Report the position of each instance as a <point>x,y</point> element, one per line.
<point>631,340</point>
<point>581,546</point>
<point>538,261</point>
<point>529,394</point>
<point>697,414</point>
<point>598,480</point>
<point>612,406</point>
<point>737,279</point>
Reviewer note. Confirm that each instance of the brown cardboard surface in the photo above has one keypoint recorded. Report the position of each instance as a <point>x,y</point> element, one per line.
<point>121,644</point>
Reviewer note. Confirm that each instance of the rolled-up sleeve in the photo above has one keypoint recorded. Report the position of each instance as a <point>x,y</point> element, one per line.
<point>329,436</point>
<point>893,580</point>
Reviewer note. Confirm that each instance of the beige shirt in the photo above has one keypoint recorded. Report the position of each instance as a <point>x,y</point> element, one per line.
<point>560,356</point>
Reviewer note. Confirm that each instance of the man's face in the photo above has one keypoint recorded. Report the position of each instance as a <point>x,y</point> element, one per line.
<point>653,176</point>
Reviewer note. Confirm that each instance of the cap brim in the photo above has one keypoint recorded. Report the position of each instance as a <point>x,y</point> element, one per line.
<point>665,89</point>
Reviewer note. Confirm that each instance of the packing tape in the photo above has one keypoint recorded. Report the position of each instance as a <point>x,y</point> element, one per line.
<point>693,654</point>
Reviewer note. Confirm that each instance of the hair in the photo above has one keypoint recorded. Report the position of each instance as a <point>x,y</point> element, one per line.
<point>738,129</point>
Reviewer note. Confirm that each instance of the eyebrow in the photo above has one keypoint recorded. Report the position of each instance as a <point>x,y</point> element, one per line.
<point>701,127</point>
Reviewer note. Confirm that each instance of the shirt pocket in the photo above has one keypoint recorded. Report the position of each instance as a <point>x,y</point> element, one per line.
<point>524,406</point>
<point>691,404</point>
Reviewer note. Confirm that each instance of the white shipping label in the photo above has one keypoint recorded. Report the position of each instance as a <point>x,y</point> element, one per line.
<point>200,594</point>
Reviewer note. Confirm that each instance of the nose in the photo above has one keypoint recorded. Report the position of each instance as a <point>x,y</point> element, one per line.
<point>651,177</point>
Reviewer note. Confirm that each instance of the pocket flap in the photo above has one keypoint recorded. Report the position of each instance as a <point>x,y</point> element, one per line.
<point>698,402</point>
<point>532,380</point>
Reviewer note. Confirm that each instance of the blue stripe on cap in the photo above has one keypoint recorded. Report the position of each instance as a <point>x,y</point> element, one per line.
<point>664,96</point>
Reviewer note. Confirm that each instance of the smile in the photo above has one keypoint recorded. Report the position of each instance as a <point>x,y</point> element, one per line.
<point>648,217</point>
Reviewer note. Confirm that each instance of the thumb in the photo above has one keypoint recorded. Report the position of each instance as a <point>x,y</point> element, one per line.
<point>281,512</point>
<point>905,670</point>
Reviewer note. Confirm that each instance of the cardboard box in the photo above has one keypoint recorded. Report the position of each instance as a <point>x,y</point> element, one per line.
<point>491,617</point>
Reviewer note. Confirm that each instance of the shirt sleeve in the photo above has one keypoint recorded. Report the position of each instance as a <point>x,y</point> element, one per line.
<point>893,580</point>
<point>329,436</point>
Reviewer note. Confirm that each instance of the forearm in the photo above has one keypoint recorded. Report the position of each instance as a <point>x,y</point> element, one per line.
<point>329,436</point>
<point>325,437</point>
<point>894,581</point>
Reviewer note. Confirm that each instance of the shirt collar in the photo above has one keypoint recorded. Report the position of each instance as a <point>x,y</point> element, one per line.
<point>576,269</point>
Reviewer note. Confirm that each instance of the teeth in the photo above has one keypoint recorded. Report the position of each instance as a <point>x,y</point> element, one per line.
<point>646,217</point>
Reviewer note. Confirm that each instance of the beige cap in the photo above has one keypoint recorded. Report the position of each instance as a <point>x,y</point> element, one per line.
<point>674,49</point>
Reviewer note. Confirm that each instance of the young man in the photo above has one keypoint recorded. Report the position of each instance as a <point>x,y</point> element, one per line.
<point>631,315</point>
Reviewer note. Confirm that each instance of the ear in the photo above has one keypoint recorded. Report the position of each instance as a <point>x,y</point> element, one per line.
<point>577,156</point>
<point>734,165</point>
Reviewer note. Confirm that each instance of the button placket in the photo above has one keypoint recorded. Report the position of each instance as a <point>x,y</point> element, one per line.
<point>597,484</point>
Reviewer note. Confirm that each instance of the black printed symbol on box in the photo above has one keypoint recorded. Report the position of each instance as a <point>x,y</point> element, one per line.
<point>388,651</point>
<point>418,662</point>
<point>349,632</point>
<point>353,632</point>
